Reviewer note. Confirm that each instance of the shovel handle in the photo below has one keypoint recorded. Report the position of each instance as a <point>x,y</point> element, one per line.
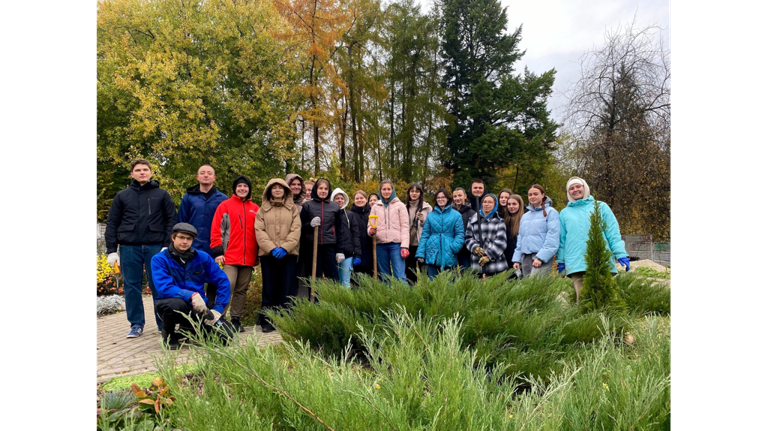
<point>314,266</point>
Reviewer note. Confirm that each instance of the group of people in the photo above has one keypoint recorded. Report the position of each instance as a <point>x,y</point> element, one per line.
<point>199,261</point>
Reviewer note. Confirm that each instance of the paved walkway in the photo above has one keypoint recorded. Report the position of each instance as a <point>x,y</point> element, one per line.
<point>120,356</point>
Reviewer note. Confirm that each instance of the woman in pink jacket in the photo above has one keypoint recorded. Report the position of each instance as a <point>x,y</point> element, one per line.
<point>391,231</point>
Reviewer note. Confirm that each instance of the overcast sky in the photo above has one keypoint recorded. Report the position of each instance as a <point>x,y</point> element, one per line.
<point>556,33</point>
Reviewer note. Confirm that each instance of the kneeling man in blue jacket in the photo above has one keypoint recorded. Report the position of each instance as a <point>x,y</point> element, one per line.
<point>180,273</point>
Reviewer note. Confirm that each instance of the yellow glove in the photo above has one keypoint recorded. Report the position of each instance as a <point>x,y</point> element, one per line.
<point>484,260</point>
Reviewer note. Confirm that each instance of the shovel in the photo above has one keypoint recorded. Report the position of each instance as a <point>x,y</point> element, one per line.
<point>374,221</point>
<point>314,267</point>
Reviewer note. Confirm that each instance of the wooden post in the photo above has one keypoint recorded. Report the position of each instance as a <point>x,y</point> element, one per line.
<point>314,267</point>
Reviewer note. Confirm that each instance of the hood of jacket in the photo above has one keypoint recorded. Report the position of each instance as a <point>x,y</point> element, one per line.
<point>584,201</point>
<point>337,191</point>
<point>290,177</point>
<point>242,179</point>
<point>547,203</point>
<point>266,197</point>
<point>314,195</point>
<point>195,190</point>
<point>495,206</point>
<point>391,198</point>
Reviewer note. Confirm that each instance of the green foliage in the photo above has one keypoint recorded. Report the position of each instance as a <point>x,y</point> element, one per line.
<point>419,374</point>
<point>644,295</point>
<point>599,291</point>
<point>650,272</point>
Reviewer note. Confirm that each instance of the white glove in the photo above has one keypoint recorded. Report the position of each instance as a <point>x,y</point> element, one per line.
<point>339,257</point>
<point>315,222</point>
<point>216,316</point>
<point>197,303</point>
<point>112,259</point>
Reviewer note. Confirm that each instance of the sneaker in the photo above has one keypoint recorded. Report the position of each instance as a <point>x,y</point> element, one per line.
<point>135,331</point>
<point>237,325</point>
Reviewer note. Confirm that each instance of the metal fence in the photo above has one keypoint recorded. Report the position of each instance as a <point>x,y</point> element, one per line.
<point>643,247</point>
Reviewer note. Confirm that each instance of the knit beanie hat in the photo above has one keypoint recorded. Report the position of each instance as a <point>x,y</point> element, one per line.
<point>574,180</point>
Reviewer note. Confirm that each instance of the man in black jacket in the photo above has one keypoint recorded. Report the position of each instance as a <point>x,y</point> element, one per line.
<point>140,222</point>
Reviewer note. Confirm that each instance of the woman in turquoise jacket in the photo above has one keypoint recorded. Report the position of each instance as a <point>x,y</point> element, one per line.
<point>442,236</point>
<point>574,232</point>
<point>539,234</point>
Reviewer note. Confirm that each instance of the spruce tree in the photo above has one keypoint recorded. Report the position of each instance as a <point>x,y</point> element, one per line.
<point>600,290</point>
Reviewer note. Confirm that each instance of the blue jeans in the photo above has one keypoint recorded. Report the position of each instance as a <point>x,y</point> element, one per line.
<point>387,254</point>
<point>433,270</point>
<point>133,260</point>
<point>345,271</point>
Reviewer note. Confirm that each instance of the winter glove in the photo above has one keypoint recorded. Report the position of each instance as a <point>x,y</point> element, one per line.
<point>315,222</point>
<point>420,260</point>
<point>113,259</point>
<point>279,252</point>
<point>216,316</point>
<point>198,303</point>
<point>356,261</point>
<point>404,253</point>
<point>339,257</point>
<point>484,260</point>
<point>479,251</point>
<point>624,261</point>
<point>560,267</point>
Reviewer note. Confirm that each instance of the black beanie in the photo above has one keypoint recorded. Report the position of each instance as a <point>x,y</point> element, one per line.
<point>242,179</point>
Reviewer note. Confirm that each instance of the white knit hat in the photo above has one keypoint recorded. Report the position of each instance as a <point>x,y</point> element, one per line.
<point>574,180</point>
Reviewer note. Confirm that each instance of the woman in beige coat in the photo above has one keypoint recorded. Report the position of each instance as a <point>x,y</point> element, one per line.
<point>278,229</point>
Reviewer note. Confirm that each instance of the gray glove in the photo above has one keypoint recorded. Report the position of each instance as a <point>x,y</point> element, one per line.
<point>112,259</point>
<point>340,257</point>
<point>197,303</point>
<point>216,316</point>
<point>315,222</point>
<point>420,259</point>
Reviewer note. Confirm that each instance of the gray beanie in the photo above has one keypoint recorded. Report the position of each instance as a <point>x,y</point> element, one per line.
<point>185,228</point>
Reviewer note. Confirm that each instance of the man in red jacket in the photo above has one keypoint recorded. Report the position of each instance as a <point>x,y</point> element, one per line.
<point>233,243</point>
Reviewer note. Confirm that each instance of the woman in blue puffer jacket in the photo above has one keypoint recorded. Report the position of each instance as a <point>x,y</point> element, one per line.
<point>574,232</point>
<point>442,236</point>
<point>539,235</point>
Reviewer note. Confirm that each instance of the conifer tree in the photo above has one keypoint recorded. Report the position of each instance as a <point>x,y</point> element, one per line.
<point>599,290</point>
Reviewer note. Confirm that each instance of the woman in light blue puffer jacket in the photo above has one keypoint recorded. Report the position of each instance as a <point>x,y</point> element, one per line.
<point>539,235</point>
<point>442,236</point>
<point>574,232</point>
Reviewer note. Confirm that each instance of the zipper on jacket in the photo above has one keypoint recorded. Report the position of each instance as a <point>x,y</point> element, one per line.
<point>322,219</point>
<point>245,237</point>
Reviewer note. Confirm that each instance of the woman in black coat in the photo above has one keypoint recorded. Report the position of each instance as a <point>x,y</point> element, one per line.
<point>362,210</point>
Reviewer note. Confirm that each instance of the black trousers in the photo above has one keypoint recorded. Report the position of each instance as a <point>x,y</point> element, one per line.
<point>174,311</point>
<point>411,264</point>
<point>303,269</point>
<point>278,276</point>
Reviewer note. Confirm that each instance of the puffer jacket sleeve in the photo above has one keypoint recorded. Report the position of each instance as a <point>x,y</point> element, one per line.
<point>169,213</point>
<point>518,255</point>
<point>355,231</point>
<point>612,233</point>
<point>552,240</point>
<point>563,235</point>
<point>458,235</point>
<point>426,232</point>
<point>294,235</point>
<point>113,221</point>
<point>262,237</point>
<point>405,235</point>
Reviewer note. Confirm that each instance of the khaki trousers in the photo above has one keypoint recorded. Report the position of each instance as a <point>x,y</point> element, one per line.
<point>239,279</point>
<point>578,282</point>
